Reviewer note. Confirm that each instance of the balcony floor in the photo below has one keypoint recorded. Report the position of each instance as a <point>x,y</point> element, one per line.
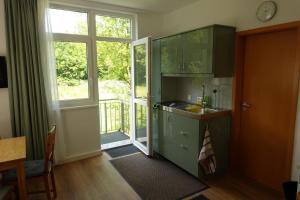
<point>113,137</point>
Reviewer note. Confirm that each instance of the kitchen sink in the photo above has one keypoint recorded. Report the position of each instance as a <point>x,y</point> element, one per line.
<point>193,110</point>
<point>197,109</point>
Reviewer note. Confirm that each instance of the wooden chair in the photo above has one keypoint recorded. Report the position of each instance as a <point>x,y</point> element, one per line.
<point>5,190</point>
<point>39,168</point>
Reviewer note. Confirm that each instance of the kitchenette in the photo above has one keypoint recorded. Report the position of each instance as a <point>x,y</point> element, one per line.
<point>191,82</point>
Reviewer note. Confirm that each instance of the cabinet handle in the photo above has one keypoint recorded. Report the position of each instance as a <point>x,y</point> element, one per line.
<point>183,133</point>
<point>183,147</point>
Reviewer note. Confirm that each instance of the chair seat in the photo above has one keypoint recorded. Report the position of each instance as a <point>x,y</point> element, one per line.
<point>4,190</point>
<point>33,168</point>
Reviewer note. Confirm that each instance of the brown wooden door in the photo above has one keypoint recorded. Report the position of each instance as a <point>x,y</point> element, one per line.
<point>267,115</point>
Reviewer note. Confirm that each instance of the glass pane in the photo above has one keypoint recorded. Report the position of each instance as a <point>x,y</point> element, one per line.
<point>70,22</point>
<point>72,70</point>
<point>140,73</point>
<point>114,84</point>
<point>114,70</point>
<point>141,124</point>
<point>115,27</point>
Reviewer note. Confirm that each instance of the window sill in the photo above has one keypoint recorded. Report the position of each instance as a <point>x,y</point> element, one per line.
<point>78,107</point>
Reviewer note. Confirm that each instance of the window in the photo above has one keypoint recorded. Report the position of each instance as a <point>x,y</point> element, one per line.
<point>114,27</point>
<point>69,22</point>
<point>113,35</point>
<point>72,70</point>
<point>75,33</point>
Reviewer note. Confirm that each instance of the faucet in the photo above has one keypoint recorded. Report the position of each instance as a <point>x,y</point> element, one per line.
<point>203,103</point>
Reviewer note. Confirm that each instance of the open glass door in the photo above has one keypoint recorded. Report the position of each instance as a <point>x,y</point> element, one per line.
<point>140,94</point>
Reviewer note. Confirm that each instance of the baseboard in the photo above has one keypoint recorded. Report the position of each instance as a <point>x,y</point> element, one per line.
<point>79,157</point>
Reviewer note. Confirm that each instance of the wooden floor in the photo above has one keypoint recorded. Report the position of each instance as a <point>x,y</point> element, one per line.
<point>96,179</point>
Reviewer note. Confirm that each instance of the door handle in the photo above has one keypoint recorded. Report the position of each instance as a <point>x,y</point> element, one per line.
<point>184,133</point>
<point>246,106</point>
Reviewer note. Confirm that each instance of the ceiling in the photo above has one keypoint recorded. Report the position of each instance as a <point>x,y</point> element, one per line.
<point>161,6</point>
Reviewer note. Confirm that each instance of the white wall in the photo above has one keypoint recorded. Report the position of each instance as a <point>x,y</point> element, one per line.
<point>238,13</point>
<point>149,24</point>
<point>81,132</point>
<point>5,126</point>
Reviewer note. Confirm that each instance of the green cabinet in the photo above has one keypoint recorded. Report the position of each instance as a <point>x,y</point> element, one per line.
<point>187,136</point>
<point>180,141</point>
<point>208,50</point>
<point>197,51</point>
<point>155,91</point>
<point>171,54</point>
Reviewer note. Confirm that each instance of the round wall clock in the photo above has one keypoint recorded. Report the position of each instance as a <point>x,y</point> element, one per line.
<point>266,11</point>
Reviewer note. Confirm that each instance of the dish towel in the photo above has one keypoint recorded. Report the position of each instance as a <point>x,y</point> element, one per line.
<point>207,157</point>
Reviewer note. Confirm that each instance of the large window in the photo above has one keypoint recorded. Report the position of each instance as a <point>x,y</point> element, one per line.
<point>82,37</point>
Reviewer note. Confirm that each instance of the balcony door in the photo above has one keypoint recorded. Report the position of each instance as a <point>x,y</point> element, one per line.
<point>141,94</point>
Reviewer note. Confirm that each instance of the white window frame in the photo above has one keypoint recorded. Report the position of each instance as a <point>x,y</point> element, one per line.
<point>91,41</point>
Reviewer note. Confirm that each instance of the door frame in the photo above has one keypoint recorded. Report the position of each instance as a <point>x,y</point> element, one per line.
<point>148,149</point>
<point>238,91</point>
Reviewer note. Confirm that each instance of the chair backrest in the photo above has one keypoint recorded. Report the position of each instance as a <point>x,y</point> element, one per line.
<point>49,157</point>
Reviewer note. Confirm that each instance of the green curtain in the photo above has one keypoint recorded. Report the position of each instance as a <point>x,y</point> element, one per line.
<point>26,83</point>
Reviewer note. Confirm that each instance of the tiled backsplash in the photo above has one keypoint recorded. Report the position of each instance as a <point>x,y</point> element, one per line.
<point>181,88</point>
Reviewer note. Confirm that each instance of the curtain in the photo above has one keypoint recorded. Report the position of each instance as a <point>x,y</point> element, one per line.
<point>27,90</point>
<point>49,71</point>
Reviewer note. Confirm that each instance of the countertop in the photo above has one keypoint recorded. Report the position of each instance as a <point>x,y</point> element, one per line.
<point>179,107</point>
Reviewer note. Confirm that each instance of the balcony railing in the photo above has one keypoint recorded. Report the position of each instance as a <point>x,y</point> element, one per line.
<point>114,116</point>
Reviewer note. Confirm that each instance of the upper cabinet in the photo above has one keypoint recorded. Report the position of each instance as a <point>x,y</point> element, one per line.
<point>197,51</point>
<point>171,54</point>
<point>208,50</point>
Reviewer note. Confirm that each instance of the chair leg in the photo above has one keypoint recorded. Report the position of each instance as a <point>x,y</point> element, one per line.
<point>53,184</point>
<point>48,190</point>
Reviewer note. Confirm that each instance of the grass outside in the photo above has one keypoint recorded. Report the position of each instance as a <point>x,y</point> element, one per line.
<point>107,89</point>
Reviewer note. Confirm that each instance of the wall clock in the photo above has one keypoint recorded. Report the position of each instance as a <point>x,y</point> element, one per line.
<point>266,11</point>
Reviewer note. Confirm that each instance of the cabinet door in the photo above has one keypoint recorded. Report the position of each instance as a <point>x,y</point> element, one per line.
<point>171,54</point>
<point>197,51</point>
<point>187,143</point>
<point>167,139</point>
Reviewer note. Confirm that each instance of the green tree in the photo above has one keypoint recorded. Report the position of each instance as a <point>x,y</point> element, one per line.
<point>113,61</point>
<point>113,58</point>
<point>71,62</point>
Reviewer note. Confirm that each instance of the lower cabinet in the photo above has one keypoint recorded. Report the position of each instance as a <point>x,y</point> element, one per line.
<point>180,140</point>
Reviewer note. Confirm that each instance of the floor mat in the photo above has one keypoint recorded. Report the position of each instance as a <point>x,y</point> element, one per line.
<point>122,151</point>
<point>201,197</point>
<point>113,137</point>
<point>157,178</point>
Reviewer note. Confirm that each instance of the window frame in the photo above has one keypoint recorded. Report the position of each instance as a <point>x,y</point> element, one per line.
<point>91,41</point>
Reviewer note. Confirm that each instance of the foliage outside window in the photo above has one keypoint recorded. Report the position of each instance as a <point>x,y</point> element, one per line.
<point>72,45</point>
<point>114,27</point>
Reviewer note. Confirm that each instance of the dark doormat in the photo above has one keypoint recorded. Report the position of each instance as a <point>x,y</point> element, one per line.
<point>201,197</point>
<point>122,151</point>
<point>157,178</point>
<point>113,137</point>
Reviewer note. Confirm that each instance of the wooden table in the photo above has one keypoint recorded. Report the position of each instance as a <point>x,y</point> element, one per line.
<point>12,155</point>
